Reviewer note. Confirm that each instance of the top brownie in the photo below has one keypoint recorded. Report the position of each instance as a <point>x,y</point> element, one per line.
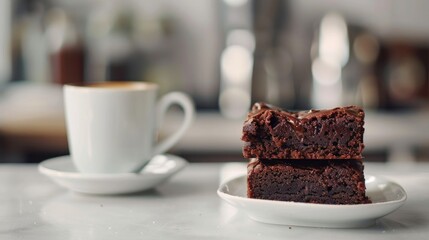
<point>272,133</point>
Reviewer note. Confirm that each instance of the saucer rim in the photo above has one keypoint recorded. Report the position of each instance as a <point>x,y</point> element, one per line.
<point>102,176</point>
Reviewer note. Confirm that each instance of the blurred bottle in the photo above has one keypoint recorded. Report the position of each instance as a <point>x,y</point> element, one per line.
<point>35,52</point>
<point>330,57</point>
<point>361,83</point>
<point>98,39</point>
<point>402,74</point>
<point>5,54</point>
<point>66,48</point>
<point>130,43</point>
<point>405,77</point>
<point>236,59</point>
<point>272,79</point>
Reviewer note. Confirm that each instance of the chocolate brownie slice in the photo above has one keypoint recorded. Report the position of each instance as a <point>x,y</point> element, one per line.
<point>324,181</point>
<point>272,133</point>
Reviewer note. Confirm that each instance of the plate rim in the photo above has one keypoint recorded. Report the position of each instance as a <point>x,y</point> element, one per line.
<point>225,195</point>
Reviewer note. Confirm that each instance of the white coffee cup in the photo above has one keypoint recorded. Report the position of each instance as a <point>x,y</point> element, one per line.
<point>111,126</point>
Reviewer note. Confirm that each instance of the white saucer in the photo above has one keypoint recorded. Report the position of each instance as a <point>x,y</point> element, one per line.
<point>62,171</point>
<point>385,195</point>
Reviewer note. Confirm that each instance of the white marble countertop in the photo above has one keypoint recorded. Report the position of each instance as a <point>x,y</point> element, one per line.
<point>186,207</point>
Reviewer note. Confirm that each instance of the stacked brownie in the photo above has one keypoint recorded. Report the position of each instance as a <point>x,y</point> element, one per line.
<point>313,156</point>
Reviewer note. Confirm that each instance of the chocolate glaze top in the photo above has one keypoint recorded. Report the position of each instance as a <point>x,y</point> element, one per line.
<point>295,118</point>
<point>260,107</point>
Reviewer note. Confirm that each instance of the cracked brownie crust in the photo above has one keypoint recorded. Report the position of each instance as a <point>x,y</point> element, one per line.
<point>272,133</point>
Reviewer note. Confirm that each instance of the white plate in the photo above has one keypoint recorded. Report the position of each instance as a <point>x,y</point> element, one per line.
<point>62,171</point>
<point>386,197</point>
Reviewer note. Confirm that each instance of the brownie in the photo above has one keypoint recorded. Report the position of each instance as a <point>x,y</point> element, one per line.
<point>272,133</point>
<point>309,181</point>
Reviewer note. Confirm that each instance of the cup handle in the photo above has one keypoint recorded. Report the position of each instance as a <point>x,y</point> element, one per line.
<point>185,102</point>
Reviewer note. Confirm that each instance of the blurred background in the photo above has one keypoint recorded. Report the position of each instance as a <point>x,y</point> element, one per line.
<point>226,54</point>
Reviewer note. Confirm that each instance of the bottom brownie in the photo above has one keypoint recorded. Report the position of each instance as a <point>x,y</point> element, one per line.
<point>321,181</point>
